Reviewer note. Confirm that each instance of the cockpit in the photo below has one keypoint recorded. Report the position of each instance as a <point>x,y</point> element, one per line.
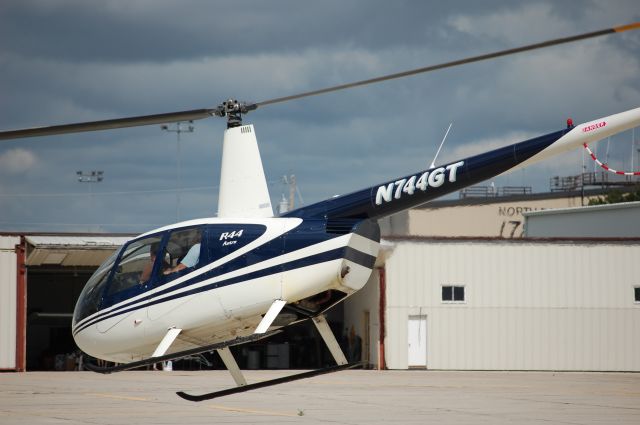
<point>157,259</point>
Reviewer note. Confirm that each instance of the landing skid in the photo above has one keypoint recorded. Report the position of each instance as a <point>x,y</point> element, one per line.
<point>327,336</point>
<point>225,354</point>
<point>268,383</point>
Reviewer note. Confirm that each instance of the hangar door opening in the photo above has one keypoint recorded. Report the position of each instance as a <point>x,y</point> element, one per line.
<point>52,293</point>
<point>417,340</point>
<point>58,266</point>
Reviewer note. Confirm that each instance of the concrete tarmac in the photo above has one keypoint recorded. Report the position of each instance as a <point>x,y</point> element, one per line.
<point>349,397</point>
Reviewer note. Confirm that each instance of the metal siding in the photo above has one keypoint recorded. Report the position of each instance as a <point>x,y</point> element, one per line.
<point>529,306</point>
<point>8,296</point>
<point>602,221</point>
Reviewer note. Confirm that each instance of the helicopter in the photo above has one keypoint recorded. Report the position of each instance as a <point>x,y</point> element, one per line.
<point>212,283</point>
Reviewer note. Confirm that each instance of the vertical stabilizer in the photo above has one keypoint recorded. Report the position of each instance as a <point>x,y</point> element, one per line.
<point>243,186</point>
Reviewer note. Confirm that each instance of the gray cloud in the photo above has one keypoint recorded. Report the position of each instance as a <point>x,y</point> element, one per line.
<point>161,30</point>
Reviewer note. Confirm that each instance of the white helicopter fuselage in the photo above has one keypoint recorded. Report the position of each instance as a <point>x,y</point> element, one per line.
<point>210,306</point>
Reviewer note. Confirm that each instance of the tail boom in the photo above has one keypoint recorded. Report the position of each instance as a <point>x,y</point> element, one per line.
<point>415,189</point>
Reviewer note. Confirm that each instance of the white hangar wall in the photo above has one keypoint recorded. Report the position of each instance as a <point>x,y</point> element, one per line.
<point>8,301</point>
<point>528,305</point>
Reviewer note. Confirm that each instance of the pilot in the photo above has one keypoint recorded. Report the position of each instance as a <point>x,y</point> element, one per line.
<point>146,272</point>
<point>189,260</point>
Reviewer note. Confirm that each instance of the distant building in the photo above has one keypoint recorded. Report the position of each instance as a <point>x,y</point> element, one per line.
<point>491,216</point>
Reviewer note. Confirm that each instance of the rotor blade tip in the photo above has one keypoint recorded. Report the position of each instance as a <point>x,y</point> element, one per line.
<point>634,26</point>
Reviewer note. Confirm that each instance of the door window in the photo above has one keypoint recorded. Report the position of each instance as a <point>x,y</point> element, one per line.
<point>136,265</point>
<point>182,253</point>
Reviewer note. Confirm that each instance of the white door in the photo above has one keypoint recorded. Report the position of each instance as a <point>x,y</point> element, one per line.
<point>417,338</point>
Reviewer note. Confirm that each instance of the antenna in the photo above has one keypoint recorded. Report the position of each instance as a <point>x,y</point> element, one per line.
<point>433,163</point>
<point>292,192</point>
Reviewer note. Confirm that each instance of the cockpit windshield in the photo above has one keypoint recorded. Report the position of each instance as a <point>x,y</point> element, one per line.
<point>90,297</point>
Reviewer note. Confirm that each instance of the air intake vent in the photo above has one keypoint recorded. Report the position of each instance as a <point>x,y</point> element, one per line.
<point>245,129</point>
<point>340,226</point>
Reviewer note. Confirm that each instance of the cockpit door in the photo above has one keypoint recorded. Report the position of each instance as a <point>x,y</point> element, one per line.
<point>131,277</point>
<point>180,266</point>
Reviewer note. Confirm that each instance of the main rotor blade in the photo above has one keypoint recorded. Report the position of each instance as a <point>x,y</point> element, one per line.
<point>195,114</point>
<point>221,111</point>
<point>451,64</point>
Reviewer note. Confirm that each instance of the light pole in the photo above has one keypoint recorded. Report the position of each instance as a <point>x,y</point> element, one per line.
<point>178,130</point>
<point>92,177</point>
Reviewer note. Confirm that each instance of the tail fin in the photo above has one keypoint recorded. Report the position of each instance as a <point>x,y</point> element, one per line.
<point>243,186</point>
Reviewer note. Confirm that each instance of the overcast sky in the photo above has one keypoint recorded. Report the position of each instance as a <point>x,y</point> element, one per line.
<point>75,60</point>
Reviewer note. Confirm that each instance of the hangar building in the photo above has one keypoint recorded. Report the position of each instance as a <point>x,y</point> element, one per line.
<point>558,301</point>
<point>41,277</point>
<point>444,295</point>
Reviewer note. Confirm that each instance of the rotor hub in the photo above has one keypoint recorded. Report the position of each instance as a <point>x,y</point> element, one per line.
<point>233,110</point>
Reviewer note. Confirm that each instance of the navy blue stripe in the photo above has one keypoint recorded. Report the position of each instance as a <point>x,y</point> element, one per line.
<point>359,257</point>
<point>343,252</point>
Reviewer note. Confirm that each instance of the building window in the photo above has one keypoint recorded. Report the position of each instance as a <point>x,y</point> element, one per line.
<point>452,293</point>
<point>636,291</point>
